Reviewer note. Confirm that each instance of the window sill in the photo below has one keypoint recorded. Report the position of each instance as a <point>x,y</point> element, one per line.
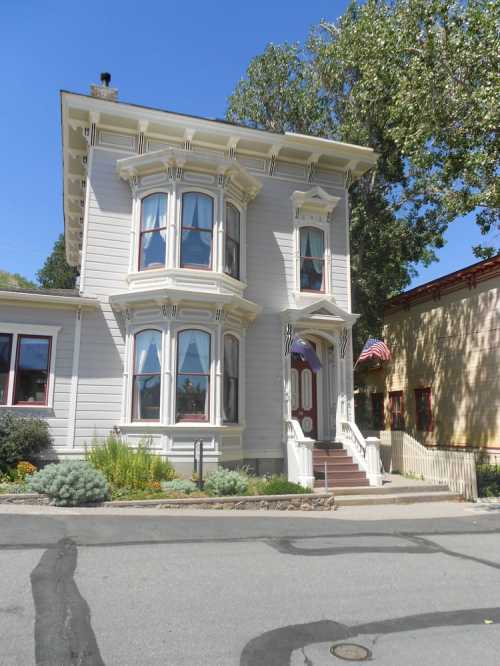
<point>185,425</point>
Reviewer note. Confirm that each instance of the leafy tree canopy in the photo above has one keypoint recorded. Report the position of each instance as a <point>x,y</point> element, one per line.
<point>14,280</point>
<point>56,273</point>
<point>418,81</point>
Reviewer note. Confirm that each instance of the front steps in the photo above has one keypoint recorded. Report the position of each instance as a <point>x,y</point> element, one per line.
<point>330,459</point>
<point>351,487</point>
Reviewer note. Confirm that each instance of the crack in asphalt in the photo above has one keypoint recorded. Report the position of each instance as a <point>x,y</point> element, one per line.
<point>275,647</point>
<point>63,631</point>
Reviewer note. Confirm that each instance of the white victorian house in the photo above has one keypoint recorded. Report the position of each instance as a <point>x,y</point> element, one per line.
<point>205,250</point>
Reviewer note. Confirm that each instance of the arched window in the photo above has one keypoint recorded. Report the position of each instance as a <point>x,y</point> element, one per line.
<point>231,379</point>
<point>312,259</point>
<point>232,247</point>
<point>146,383</point>
<point>152,243</point>
<point>193,375</point>
<point>197,229</point>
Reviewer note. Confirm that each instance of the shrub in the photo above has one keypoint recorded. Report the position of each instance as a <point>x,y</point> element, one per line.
<point>21,438</point>
<point>24,469</point>
<point>280,485</point>
<point>226,482</point>
<point>488,480</point>
<point>70,483</point>
<point>180,486</point>
<point>126,467</point>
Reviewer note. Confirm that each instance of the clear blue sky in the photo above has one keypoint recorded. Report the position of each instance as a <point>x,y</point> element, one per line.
<point>183,56</point>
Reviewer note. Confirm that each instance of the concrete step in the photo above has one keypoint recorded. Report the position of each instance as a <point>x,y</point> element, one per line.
<point>336,484</point>
<point>362,499</point>
<point>395,490</point>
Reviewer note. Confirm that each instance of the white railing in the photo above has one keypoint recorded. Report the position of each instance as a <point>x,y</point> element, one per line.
<point>364,452</point>
<point>402,453</point>
<point>299,455</point>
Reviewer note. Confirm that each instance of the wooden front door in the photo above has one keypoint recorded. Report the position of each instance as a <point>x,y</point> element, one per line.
<point>304,396</point>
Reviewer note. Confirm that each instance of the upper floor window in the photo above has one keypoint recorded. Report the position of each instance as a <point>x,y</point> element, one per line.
<point>423,409</point>
<point>152,244</point>
<point>197,230</point>
<point>193,375</point>
<point>5,354</point>
<point>146,382</point>
<point>396,410</point>
<point>232,246</point>
<point>31,377</point>
<point>231,379</point>
<point>312,259</point>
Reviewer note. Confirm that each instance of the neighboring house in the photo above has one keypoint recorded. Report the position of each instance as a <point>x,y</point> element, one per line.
<point>442,384</point>
<point>204,248</point>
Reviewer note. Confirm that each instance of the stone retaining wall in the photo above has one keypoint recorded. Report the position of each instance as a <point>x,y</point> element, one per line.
<point>309,502</point>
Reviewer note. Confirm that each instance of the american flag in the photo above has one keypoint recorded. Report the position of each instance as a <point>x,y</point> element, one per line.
<point>374,349</point>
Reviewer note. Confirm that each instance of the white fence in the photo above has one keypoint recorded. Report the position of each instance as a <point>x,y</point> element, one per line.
<point>402,453</point>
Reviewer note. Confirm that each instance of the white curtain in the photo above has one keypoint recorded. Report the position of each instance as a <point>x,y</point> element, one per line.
<point>194,352</point>
<point>147,352</point>
<point>197,211</point>
<point>312,245</point>
<point>154,216</point>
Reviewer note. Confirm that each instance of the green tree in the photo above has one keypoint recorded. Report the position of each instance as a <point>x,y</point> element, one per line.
<point>14,280</point>
<point>400,77</point>
<point>56,273</point>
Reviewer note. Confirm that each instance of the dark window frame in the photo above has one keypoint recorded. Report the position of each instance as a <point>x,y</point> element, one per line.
<point>314,258</point>
<point>145,374</point>
<point>401,413</point>
<point>378,419</point>
<point>10,336</point>
<point>194,418</point>
<point>31,403</point>
<point>199,230</point>
<point>233,241</point>
<point>236,379</point>
<point>152,231</point>
<point>427,392</point>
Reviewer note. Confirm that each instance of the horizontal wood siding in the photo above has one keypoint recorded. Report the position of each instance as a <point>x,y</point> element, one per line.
<point>56,417</point>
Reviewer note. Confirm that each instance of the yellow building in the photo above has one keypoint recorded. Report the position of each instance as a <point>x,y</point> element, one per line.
<point>442,384</point>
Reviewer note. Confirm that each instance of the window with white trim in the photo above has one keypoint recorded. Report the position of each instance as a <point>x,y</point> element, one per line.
<point>312,259</point>
<point>193,375</point>
<point>5,356</point>
<point>232,242</point>
<point>197,221</point>
<point>146,381</point>
<point>153,232</point>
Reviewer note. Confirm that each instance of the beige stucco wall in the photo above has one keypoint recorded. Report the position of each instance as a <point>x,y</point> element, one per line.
<point>451,345</point>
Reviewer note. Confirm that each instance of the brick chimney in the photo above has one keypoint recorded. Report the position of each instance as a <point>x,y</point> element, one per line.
<point>104,91</point>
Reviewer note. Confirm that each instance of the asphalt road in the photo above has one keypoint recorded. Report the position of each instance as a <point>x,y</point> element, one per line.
<point>221,590</point>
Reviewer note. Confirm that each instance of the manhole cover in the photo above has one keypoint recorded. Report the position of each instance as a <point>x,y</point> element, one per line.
<point>350,652</point>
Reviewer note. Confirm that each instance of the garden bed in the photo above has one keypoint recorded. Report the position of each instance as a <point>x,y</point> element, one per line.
<point>305,502</point>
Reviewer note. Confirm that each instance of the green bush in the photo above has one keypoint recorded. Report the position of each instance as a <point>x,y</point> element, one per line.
<point>69,483</point>
<point>280,485</point>
<point>21,438</point>
<point>180,486</point>
<point>226,482</point>
<point>488,480</point>
<point>123,466</point>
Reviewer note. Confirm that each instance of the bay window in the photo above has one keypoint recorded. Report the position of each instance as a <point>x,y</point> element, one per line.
<point>232,242</point>
<point>146,382</point>
<point>312,259</point>
<point>197,230</point>
<point>230,379</point>
<point>5,356</point>
<point>193,375</point>
<point>31,378</point>
<point>152,243</point>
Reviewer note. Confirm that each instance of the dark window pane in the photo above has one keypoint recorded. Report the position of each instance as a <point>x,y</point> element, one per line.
<point>153,249</point>
<point>231,373</point>
<point>232,259</point>
<point>378,411</point>
<point>423,409</point>
<point>196,250</point>
<point>192,397</point>
<point>5,353</point>
<point>233,222</point>
<point>312,253</point>
<point>32,370</point>
<point>146,398</point>
<point>397,416</point>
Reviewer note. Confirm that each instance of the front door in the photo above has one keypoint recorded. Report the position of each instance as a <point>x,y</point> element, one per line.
<point>304,396</point>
